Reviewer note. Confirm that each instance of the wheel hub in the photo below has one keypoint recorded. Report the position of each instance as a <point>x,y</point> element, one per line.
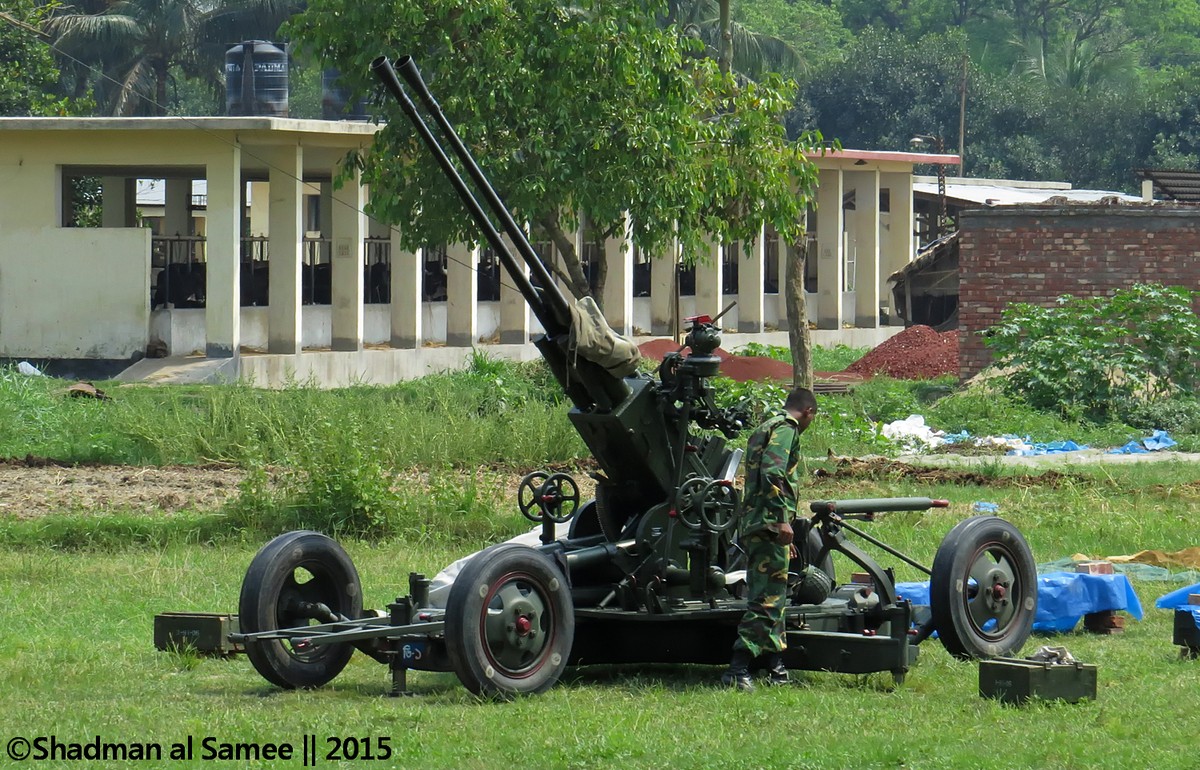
<point>996,592</point>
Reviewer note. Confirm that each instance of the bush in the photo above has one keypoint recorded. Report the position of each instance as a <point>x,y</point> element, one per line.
<point>1177,415</point>
<point>1092,357</point>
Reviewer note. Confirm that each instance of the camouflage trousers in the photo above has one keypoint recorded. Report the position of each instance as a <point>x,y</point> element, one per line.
<point>761,629</point>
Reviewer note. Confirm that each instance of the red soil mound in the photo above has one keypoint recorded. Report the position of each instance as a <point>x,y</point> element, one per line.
<point>916,353</point>
<point>740,368</point>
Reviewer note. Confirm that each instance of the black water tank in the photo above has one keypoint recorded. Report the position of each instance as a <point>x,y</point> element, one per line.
<point>256,80</point>
<point>335,99</point>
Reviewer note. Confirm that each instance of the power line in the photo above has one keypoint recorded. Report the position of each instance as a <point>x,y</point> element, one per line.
<point>49,42</point>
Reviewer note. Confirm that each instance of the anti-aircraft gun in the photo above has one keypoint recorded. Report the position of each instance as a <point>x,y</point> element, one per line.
<point>648,570</point>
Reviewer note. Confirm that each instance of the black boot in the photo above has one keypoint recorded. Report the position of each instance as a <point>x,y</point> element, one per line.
<point>738,673</point>
<point>777,672</point>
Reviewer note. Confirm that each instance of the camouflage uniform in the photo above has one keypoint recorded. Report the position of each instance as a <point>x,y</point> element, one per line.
<point>771,461</point>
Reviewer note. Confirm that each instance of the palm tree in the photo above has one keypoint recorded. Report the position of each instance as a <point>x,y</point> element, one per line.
<point>735,47</point>
<point>135,44</point>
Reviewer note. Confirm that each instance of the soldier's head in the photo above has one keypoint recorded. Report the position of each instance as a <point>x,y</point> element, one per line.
<point>802,405</point>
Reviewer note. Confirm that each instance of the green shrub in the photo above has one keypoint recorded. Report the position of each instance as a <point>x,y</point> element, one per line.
<point>1176,415</point>
<point>1091,357</point>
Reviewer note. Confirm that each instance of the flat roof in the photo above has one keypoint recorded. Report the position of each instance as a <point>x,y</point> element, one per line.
<point>173,123</point>
<point>936,159</point>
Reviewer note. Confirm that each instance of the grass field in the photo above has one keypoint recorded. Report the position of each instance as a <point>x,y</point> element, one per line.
<point>417,475</point>
<point>76,661</point>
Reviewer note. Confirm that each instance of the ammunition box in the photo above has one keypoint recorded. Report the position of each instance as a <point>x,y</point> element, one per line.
<point>1013,680</point>
<point>206,633</point>
<point>1187,634</point>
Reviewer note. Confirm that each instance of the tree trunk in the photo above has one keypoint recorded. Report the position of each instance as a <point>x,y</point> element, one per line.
<point>601,270</point>
<point>797,315</point>
<point>725,54</point>
<point>161,76</point>
<point>576,280</point>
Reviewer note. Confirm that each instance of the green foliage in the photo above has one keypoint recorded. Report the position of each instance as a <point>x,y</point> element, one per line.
<point>1090,357</point>
<point>758,399</point>
<point>886,90</point>
<point>986,411</point>
<point>591,108</point>
<point>824,359</point>
<point>28,73</point>
<point>1176,415</point>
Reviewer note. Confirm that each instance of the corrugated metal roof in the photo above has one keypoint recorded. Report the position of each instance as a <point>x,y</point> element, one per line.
<point>1178,185</point>
<point>1004,195</point>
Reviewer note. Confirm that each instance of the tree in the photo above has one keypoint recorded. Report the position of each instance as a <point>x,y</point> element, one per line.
<point>28,75</point>
<point>886,90</point>
<point>132,47</point>
<point>591,110</point>
<point>735,46</point>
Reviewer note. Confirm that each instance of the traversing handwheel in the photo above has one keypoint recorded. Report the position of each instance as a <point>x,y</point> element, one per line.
<point>983,590</point>
<point>529,495</point>
<point>718,505</point>
<point>559,498</point>
<point>688,501</point>
<point>510,622</point>
<point>298,579</point>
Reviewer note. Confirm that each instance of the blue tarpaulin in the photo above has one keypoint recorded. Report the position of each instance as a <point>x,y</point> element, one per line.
<point>1152,443</point>
<point>1178,600</point>
<point>1063,598</point>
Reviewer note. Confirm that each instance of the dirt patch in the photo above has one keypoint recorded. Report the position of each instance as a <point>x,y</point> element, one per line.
<point>917,353</point>
<point>848,468</point>
<point>746,368</point>
<point>36,487</point>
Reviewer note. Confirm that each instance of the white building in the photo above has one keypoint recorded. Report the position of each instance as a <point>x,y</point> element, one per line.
<point>278,265</point>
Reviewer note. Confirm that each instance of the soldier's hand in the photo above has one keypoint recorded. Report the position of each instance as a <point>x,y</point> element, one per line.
<point>785,535</point>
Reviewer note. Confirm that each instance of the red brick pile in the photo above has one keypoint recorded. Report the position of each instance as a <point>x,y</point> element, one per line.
<point>917,353</point>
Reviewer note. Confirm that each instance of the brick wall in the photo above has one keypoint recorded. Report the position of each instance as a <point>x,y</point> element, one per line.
<point>1037,253</point>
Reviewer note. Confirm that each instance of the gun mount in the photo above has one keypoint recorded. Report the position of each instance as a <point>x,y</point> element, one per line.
<point>647,571</point>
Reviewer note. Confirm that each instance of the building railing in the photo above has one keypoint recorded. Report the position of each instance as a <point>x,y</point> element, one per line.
<point>178,271</point>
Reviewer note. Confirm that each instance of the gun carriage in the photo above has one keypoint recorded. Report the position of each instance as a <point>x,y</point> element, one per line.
<point>648,570</point>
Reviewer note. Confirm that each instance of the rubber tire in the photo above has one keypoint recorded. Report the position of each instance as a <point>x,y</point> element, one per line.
<point>948,601</point>
<point>259,607</point>
<point>466,610</point>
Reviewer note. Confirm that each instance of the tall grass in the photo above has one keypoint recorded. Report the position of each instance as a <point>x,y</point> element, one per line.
<point>493,412</point>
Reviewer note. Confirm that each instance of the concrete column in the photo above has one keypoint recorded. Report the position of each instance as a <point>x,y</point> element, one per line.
<point>119,202</point>
<point>325,208</point>
<point>260,208</point>
<point>710,289</point>
<point>406,295</point>
<point>866,250</point>
<point>285,222</point>
<point>751,271</point>
<point>223,222</point>
<point>514,313</point>
<point>618,286</point>
<point>830,257</point>
<point>462,292</point>
<point>897,246</point>
<point>349,227</point>
<point>1147,190</point>
<point>662,291</point>
<point>177,211</point>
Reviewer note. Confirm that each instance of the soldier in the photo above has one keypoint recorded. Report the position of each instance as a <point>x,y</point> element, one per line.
<point>772,456</point>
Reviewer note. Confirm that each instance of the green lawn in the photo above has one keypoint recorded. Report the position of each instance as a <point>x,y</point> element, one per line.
<point>77,661</point>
